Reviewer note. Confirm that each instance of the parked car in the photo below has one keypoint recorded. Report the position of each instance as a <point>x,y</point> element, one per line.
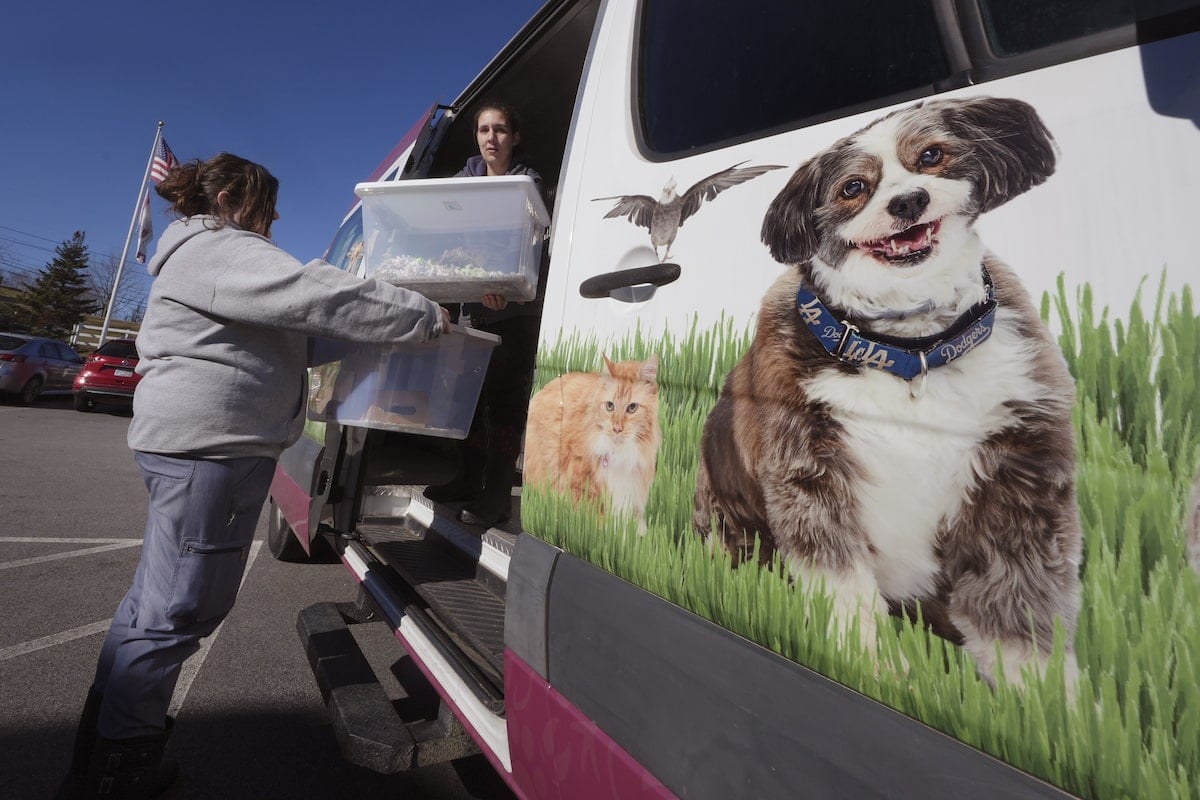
<point>108,376</point>
<point>31,366</point>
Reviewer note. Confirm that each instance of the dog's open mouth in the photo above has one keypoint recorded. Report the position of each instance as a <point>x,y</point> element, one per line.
<point>909,246</point>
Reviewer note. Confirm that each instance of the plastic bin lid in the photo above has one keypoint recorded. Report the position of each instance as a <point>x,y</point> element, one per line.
<point>440,186</point>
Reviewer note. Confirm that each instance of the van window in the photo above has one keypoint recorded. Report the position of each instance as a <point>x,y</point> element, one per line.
<point>1019,26</point>
<point>712,72</point>
<point>346,251</point>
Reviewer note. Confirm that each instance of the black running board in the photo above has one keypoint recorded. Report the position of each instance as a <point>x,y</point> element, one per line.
<point>368,729</point>
<point>476,700</point>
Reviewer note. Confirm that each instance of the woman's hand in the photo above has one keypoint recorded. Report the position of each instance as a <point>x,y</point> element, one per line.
<point>445,319</point>
<point>496,302</point>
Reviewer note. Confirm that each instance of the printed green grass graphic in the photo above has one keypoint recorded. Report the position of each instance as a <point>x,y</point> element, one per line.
<point>1133,727</point>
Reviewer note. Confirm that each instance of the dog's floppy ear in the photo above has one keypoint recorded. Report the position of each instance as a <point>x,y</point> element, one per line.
<point>1014,150</point>
<point>789,228</point>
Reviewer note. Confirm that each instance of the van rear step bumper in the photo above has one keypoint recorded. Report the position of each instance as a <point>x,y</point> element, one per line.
<point>368,729</point>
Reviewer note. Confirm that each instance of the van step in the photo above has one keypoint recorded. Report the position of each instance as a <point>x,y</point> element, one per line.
<point>368,729</point>
<point>464,600</point>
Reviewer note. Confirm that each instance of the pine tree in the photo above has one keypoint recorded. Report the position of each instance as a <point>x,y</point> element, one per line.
<point>61,297</point>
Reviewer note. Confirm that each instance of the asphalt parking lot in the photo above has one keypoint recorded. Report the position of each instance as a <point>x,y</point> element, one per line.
<point>251,723</point>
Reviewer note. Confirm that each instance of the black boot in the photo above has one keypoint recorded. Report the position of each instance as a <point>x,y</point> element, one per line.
<point>85,739</point>
<point>488,511</point>
<point>462,487</point>
<point>494,505</point>
<point>130,769</point>
<point>468,481</point>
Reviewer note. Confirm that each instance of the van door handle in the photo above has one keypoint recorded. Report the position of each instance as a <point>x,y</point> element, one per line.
<point>636,285</point>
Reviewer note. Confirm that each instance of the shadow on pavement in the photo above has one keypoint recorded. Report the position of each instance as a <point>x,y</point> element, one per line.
<point>222,757</point>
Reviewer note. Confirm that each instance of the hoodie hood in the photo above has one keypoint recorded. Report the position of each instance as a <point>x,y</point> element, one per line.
<point>178,232</point>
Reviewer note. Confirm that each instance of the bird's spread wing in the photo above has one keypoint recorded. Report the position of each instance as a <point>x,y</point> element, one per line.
<point>638,207</point>
<point>716,183</point>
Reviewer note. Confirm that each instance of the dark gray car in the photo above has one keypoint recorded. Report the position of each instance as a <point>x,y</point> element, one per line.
<point>31,366</point>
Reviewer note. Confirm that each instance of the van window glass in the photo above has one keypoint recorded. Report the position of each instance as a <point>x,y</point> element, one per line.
<point>1018,26</point>
<point>346,250</point>
<point>713,71</point>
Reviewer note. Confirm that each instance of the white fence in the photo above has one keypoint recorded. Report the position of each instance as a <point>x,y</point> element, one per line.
<point>86,335</point>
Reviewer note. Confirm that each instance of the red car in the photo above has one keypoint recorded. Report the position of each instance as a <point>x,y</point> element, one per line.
<point>108,375</point>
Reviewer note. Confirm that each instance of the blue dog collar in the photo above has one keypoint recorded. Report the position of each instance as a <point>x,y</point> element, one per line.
<point>906,358</point>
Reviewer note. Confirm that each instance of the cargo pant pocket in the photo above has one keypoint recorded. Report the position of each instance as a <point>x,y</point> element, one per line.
<point>206,581</point>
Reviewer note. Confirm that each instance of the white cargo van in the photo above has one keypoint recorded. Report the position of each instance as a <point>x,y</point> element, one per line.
<point>706,628</point>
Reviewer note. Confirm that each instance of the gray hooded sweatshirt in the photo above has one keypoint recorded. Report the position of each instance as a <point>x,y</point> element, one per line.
<point>224,344</point>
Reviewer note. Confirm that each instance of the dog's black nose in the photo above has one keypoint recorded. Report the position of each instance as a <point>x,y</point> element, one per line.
<point>909,207</point>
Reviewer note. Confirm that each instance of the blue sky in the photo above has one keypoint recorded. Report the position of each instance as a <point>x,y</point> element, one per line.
<point>317,92</point>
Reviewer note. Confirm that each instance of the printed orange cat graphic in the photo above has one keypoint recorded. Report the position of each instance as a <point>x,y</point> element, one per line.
<point>595,435</point>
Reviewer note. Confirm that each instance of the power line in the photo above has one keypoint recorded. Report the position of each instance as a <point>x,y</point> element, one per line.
<point>27,233</point>
<point>43,248</point>
<point>129,294</point>
<point>54,251</point>
<point>26,245</point>
<point>18,243</point>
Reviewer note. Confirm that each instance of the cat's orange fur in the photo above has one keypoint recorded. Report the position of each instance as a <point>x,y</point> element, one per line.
<point>596,435</point>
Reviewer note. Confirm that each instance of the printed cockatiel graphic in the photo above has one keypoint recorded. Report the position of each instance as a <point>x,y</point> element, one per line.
<point>665,216</point>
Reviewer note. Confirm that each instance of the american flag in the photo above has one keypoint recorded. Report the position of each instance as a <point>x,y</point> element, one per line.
<point>163,161</point>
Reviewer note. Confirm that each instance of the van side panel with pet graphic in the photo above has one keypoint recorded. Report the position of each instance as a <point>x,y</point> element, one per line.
<point>862,449</point>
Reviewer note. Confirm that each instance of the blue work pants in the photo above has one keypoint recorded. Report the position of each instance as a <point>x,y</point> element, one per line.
<point>201,522</point>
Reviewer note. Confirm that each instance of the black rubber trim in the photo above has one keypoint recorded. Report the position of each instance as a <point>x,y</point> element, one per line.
<point>713,715</point>
<point>529,576</point>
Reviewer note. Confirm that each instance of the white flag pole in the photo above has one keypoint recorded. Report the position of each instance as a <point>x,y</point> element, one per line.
<point>133,224</point>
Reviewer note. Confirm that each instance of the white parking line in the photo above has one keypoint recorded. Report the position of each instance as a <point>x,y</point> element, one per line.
<point>62,540</point>
<point>82,631</point>
<point>54,639</point>
<point>24,562</point>
<point>191,667</point>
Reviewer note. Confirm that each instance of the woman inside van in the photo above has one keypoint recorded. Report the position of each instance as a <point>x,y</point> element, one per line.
<point>488,456</point>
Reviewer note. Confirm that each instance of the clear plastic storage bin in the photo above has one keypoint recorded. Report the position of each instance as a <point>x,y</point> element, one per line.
<point>429,388</point>
<point>455,239</point>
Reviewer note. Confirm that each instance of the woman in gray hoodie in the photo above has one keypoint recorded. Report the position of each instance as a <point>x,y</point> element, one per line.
<point>223,351</point>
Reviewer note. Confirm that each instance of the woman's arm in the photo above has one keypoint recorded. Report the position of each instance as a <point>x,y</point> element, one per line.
<point>263,285</point>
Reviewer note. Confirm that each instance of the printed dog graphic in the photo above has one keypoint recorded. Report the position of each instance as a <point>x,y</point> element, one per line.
<point>900,427</point>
